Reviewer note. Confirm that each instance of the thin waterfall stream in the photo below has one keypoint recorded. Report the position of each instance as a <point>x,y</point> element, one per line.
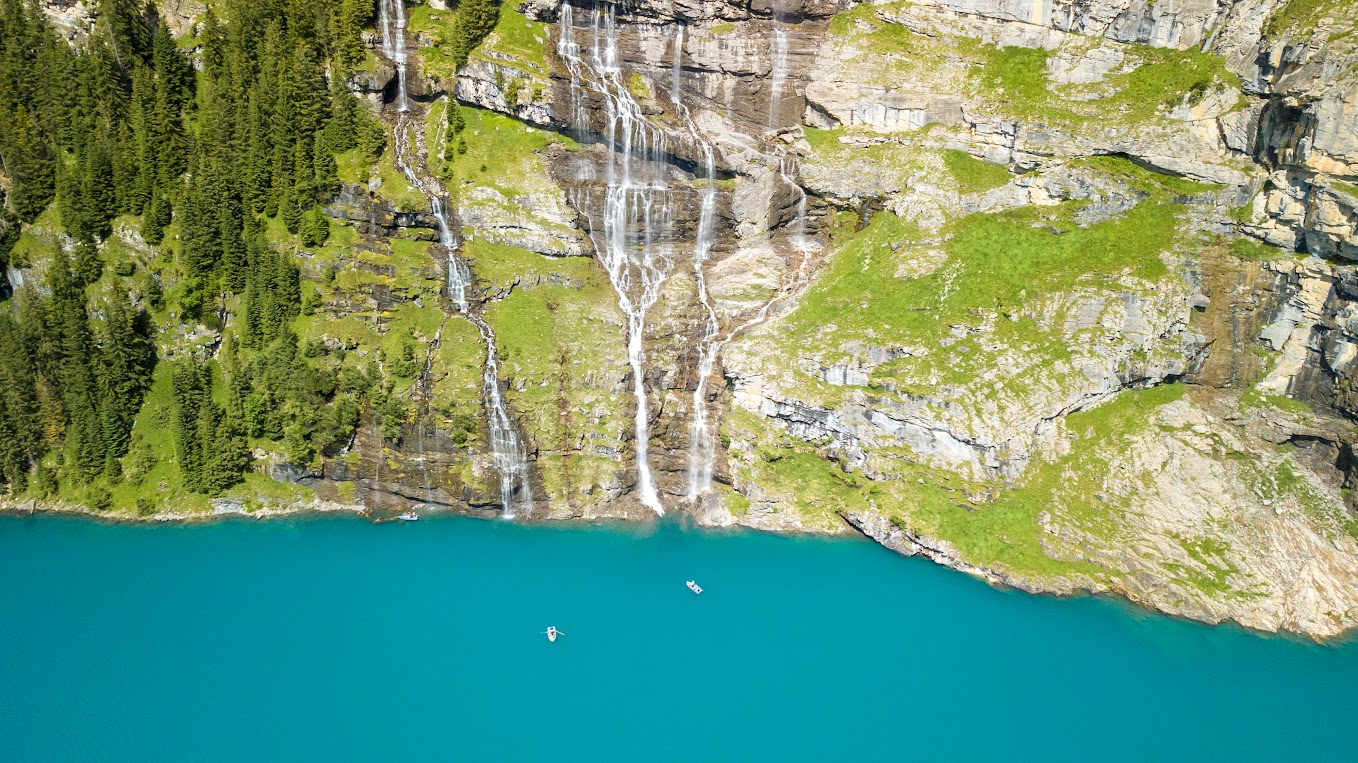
<point>509,454</point>
<point>635,245</point>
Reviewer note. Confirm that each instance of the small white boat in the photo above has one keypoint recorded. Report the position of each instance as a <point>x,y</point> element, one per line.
<point>552,633</point>
<point>409,516</point>
<point>694,587</point>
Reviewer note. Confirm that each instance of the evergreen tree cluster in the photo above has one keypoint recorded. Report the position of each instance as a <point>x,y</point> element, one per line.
<point>475,20</point>
<point>69,381</point>
<point>274,109</point>
<point>126,123</point>
<point>209,440</point>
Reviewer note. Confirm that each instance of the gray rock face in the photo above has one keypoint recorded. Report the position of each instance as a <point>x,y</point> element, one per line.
<point>1164,25</point>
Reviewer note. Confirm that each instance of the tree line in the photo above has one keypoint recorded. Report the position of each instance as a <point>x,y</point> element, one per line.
<point>202,141</point>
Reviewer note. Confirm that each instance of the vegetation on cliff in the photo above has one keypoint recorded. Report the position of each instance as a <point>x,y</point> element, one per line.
<point>184,195</point>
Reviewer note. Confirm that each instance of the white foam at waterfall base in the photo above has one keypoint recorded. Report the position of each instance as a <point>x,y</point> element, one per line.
<point>637,206</point>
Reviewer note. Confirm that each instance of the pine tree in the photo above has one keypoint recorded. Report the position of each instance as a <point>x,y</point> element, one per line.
<point>327,171</point>
<point>89,266</point>
<point>227,457</point>
<point>475,20</point>
<point>190,398</point>
<point>315,227</point>
<point>21,439</point>
<point>30,164</point>
<point>174,73</point>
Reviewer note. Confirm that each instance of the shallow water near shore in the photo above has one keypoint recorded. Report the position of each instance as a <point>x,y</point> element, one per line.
<point>332,638</point>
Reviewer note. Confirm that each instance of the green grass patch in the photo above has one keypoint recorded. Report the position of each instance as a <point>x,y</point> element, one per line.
<point>355,166</point>
<point>396,187</point>
<point>1304,15</point>
<point>1250,250</point>
<point>1006,532</point>
<point>259,491</point>
<point>972,174</point>
<point>1159,78</point>
<point>520,38</point>
<point>504,265</point>
<point>1017,77</point>
<point>500,152</point>
<point>1152,182</point>
<point>995,260</point>
<point>1348,188</point>
<point>1253,398</point>
<point>562,352</point>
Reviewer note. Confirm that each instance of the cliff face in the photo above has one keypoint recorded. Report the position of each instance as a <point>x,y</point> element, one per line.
<point>1022,221</point>
<point>1055,293</point>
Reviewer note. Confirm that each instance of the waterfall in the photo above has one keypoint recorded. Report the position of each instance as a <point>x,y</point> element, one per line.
<point>459,276</point>
<point>508,452</point>
<point>702,448</point>
<point>506,447</point>
<point>779,75</point>
<point>677,68</point>
<point>787,170</point>
<point>701,454</point>
<point>392,16</point>
<point>637,212</point>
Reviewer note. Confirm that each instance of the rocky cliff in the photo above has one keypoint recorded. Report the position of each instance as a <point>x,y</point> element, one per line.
<point>1059,294</point>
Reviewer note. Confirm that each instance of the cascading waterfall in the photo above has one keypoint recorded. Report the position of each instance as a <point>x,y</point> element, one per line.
<point>508,452</point>
<point>506,447</point>
<point>392,13</point>
<point>702,447</point>
<point>459,275</point>
<point>779,74</point>
<point>633,245</point>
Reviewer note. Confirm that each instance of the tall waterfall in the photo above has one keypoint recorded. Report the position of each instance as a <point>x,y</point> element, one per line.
<point>778,76</point>
<point>508,452</point>
<point>506,447</point>
<point>702,448</point>
<point>634,244</point>
<point>677,67</point>
<point>701,453</point>
<point>392,13</point>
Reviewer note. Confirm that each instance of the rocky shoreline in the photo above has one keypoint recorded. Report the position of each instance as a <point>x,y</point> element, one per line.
<point>871,526</point>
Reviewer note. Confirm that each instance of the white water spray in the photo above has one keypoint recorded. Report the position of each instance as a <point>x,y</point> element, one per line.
<point>459,275</point>
<point>632,246</point>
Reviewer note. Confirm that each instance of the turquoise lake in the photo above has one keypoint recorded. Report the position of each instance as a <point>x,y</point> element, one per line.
<point>338,639</point>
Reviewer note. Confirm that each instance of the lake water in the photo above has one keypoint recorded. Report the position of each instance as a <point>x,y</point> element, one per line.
<point>339,639</point>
